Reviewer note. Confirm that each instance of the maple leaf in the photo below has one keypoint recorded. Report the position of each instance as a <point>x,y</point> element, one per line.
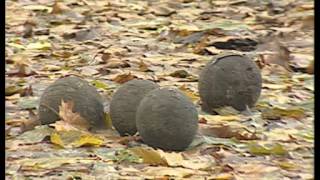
<point>70,120</point>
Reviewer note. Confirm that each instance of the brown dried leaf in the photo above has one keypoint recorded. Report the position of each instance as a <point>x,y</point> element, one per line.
<point>180,74</point>
<point>280,57</point>
<point>116,64</point>
<point>122,78</point>
<point>310,68</point>
<point>59,8</point>
<point>143,67</point>
<point>74,119</point>
<point>105,57</point>
<point>22,70</point>
<point>31,123</point>
<point>225,131</point>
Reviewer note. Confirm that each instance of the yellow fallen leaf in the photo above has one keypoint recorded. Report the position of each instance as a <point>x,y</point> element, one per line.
<point>275,86</point>
<point>37,7</point>
<point>168,171</point>
<point>73,139</point>
<point>192,95</point>
<point>223,176</point>
<point>56,139</point>
<point>217,118</point>
<point>50,67</point>
<point>40,45</point>
<point>15,45</point>
<point>172,159</point>
<point>287,165</point>
<point>278,112</point>
<point>88,140</point>
<point>149,156</point>
<point>274,149</point>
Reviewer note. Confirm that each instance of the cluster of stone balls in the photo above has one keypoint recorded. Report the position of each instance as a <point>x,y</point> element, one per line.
<point>164,117</point>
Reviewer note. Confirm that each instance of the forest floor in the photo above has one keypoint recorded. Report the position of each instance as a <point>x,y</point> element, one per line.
<point>109,42</point>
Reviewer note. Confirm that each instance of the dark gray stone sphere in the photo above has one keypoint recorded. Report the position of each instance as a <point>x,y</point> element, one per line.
<point>125,102</point>
<point>87,101</point>
<point>229,80</point>
<point>167,119</point>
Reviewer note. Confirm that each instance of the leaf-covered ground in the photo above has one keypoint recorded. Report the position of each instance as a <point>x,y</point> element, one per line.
<point>109,42</point>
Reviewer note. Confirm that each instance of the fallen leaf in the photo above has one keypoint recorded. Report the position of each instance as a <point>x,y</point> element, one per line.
<point>166,171</point>
<point>275,86</point>
<point>105,57</point>
<point>162,10</point>
<point>108,121</point>
<point>310,68</point>
<point>99,84</point>
<point>122,78</point>
<point>52,162</point>
<point>149,156</point>
<point>226,111</point>
<point>180,74</point>
<point>227,131</point>
<point>112,63</point>
<point>192,95</point>
<point>223,176</point>
<point>74,139</point>
<point>50,67</point>
<point>31,123</point>
<point>28,102</point>
<point>278,113</point>
<point>39,45</point>
<point>287,165</point>
<point>59,8</point>
<point>143,67</point>
<point>12,89</point>
<point>72,118</point>
<point>126,155</point>
<point>89,71</point>
<point>36,135</point>
<point>281,56</point>
<point>218,118</point>
<point>273,149</point>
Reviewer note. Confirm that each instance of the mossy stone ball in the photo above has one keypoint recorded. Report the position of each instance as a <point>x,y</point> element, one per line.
<point>229,80</point>
<point>125,102</point>
<point>167,119</point>
<point>87,101</point>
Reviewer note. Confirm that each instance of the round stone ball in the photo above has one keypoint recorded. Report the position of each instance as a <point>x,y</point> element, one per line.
<point>87,101</point>
<point>229,80</point>
<point>167,119</point>
<point>125,102</point>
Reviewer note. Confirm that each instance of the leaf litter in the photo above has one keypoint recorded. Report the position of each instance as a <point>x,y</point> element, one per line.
<point>111,42</point>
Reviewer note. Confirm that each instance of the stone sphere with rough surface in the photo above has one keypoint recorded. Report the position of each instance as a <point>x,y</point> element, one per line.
<point>229,80</point>
<point>125,102</point>
<point>167,119</point>
<point>87,101</point>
